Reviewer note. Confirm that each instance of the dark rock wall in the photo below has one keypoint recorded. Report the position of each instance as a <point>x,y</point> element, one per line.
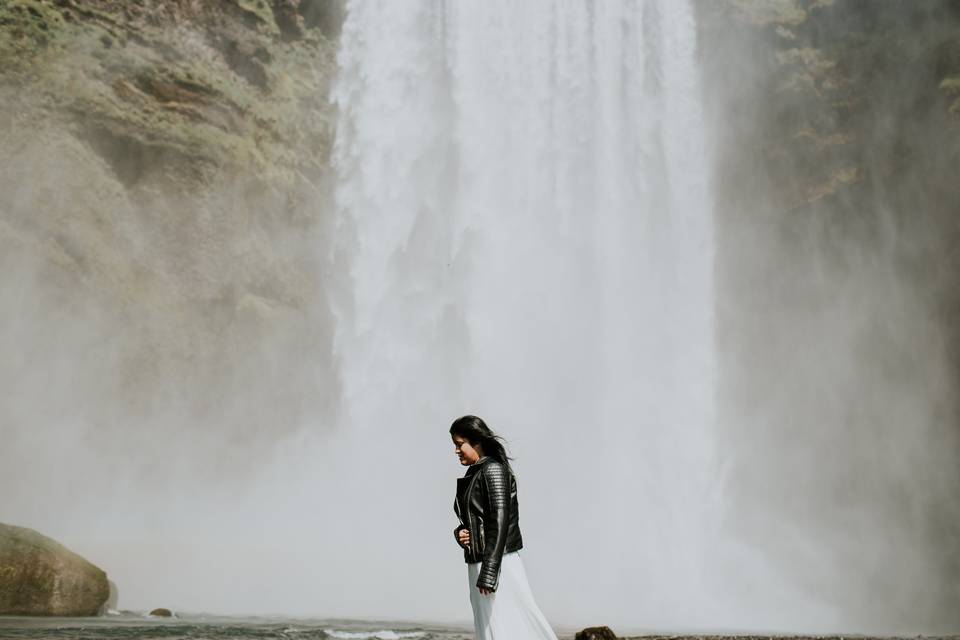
<point>837,140</point>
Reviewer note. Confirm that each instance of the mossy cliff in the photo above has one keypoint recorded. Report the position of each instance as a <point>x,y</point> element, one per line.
<point>183,90</point>
<point>163,194</point>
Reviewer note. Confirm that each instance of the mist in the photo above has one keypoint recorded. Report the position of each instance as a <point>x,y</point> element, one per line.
<point>838,383</point>
<point>693,260</point>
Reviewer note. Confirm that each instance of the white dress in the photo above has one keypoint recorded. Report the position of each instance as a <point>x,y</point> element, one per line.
<point>510,612</point>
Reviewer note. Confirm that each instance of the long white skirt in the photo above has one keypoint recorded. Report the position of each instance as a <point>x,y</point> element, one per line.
<point>510,612</point>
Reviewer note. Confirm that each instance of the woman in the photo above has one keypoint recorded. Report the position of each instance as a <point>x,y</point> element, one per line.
<point>489,533</point>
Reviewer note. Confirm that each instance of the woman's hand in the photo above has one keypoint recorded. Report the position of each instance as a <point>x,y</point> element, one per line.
<point>485,591</point>
<point>464,536</point>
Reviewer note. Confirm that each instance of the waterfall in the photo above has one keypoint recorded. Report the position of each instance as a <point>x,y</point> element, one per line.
<point>524,232</point>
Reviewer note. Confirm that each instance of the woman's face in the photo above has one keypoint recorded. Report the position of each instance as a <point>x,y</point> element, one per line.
<point>467,452</point>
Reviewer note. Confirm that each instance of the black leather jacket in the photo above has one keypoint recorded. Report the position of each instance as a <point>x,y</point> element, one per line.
<point>486,504</point>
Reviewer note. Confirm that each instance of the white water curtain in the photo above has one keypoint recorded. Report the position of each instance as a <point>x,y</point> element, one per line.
<point>524,232</point>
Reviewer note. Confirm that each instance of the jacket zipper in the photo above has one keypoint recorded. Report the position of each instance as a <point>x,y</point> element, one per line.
<point>475,537</point>
<point>483,540</point>
<point>475,534</point>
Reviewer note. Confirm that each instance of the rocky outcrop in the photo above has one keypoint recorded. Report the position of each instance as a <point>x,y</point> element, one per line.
<point>162,612</point>
<point>40,577</point>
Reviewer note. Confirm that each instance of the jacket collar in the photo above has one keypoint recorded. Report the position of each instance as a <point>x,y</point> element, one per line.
<point>476,465</point>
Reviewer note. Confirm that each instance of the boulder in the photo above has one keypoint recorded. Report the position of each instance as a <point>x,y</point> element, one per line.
<point>41,577</point>
<point>596,633</point>
<point>161,612</point>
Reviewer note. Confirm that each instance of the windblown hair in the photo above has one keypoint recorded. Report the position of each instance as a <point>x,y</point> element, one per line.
<point>476,431</point>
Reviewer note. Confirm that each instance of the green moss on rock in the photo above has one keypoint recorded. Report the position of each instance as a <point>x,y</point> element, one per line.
<point>190,94</point>
<point>261,11</point>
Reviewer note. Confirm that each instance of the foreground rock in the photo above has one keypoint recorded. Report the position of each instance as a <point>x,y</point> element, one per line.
<point>596,633</point>
<point>41,577</point>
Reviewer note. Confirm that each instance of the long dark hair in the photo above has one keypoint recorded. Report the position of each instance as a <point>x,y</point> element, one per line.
<point>476,431</point>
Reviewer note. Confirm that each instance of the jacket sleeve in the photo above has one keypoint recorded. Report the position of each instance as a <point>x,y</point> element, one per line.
<point>496,481</point>
<point>456,535</point>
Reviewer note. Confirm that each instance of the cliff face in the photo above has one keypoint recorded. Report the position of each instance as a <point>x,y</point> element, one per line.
<point>838,134</point>
<point>40,577</point>
<point>163,191</point>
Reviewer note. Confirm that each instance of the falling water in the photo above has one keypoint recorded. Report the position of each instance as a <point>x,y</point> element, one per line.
<point>524,232</point>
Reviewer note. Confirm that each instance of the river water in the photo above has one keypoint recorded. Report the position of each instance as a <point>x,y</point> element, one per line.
<point>211,627</point>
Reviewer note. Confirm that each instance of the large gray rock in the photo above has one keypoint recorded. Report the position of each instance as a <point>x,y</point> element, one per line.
<point>41,577</point>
